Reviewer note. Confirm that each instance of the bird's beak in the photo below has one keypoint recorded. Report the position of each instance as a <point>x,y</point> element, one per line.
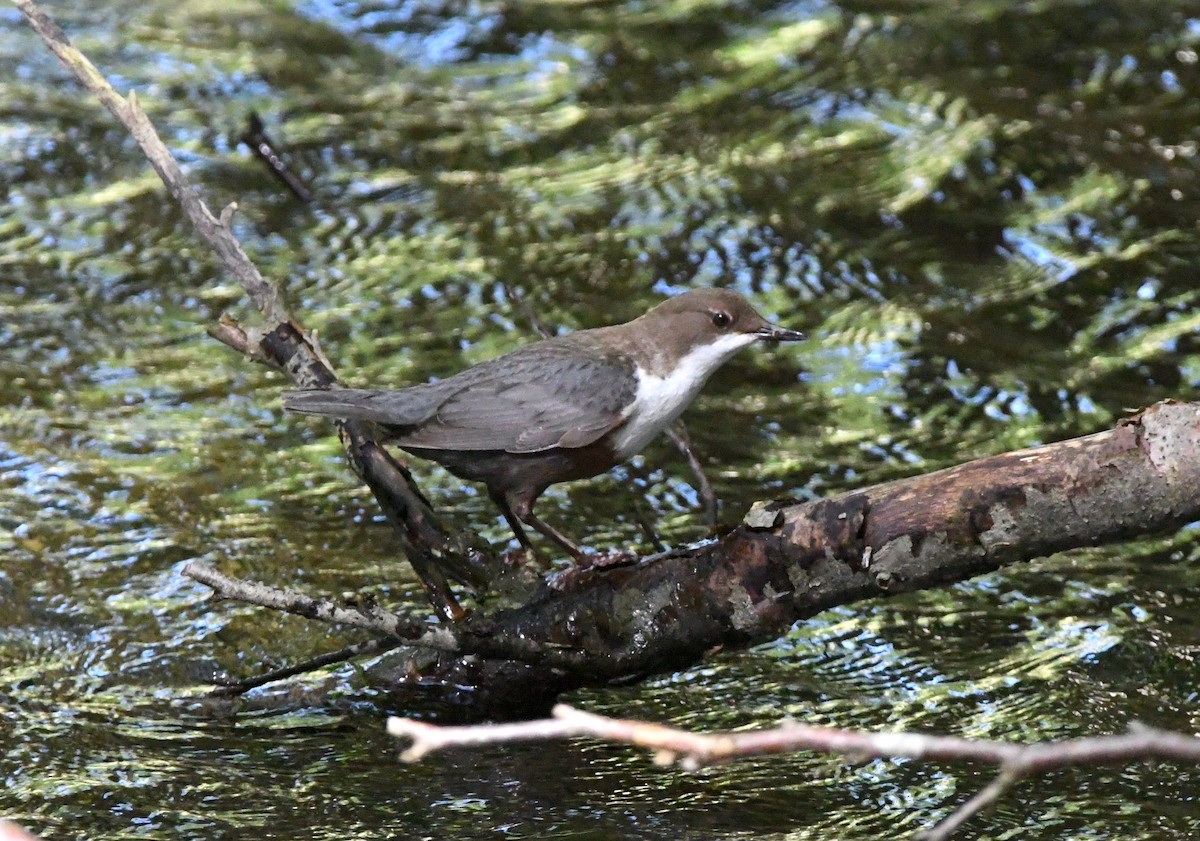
<point>771,333</point>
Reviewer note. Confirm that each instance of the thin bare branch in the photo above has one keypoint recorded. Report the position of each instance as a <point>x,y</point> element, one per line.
<point>255,136</point>
<point>696,750</point>
<point>212,230</point>
<point>982,799</point>
<point>428,738</point>
<point>415,633</point>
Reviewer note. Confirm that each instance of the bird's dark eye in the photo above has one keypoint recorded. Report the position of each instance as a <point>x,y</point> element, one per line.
<point>721,319</point>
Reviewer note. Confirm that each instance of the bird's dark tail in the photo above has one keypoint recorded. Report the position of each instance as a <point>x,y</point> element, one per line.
<point>395,407</point>
<point>335,402</point>
<point>347,403</point>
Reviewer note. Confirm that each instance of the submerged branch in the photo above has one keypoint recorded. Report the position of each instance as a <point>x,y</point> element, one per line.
<point>229,688</point>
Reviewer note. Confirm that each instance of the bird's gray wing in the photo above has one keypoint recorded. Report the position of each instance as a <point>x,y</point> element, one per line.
<point>545,395</point>
<point>534,401</point>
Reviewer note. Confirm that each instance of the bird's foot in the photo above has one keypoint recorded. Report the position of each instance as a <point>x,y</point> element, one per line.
<point>607,558</point>
<point>591,564</point>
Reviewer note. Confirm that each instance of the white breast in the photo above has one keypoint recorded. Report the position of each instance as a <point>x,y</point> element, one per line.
<point>662,399</point>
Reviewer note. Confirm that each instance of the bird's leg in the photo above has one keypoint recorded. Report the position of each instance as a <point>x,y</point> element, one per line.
<point>524,510</point>
<point>679,437</point>
<point>501,502</point>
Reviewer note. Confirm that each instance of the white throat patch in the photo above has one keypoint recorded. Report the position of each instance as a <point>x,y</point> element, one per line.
<point>660,400</point>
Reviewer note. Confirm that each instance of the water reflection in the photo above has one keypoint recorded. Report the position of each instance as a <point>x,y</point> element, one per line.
<point>984,213</point>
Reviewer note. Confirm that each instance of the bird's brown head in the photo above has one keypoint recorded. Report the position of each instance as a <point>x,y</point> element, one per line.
<point>708,316</point>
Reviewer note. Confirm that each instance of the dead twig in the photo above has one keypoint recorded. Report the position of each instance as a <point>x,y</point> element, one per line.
<point>255,136</point>
<point>213,230</point>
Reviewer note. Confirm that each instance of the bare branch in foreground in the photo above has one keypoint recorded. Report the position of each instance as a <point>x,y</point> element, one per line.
<point>10,831</point>
<point>696,750</point>
<point>413,632</point>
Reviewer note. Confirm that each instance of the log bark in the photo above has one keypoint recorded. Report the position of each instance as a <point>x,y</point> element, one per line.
<point>790,561</point>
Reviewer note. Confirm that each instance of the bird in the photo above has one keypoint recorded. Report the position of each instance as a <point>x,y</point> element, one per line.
<point>567,407</point>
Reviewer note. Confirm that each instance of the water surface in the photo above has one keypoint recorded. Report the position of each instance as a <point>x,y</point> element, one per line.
<point>983,213</point>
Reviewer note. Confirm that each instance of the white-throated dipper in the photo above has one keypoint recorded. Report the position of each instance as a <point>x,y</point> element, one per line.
<point>567,407</point>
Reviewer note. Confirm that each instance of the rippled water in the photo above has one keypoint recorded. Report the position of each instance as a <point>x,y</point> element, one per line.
<point>983,213</point>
